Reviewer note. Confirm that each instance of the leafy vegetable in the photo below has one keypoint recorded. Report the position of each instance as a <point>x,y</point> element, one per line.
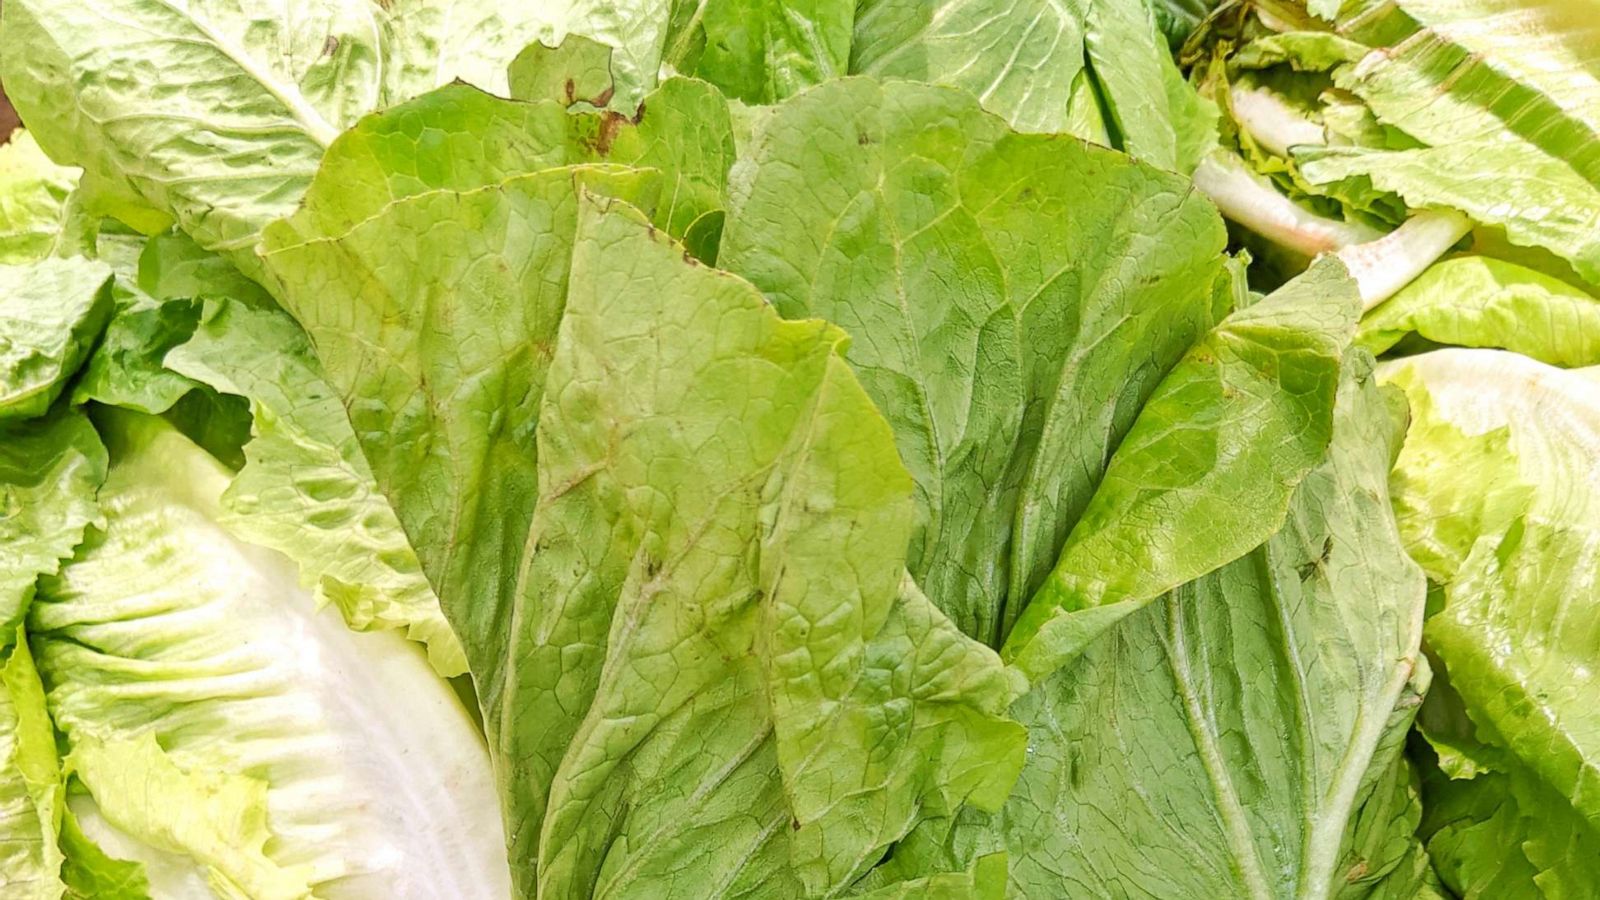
<point>30,788</point>
<point>50,469</point>
<point>53,311</point>
<point>1242,720</point>
<point>33,200</point>
<point>816,449</point>
<point>305,489</point>
<point>1514,567</point>
<point>212,711</point>
<point>993,355</point>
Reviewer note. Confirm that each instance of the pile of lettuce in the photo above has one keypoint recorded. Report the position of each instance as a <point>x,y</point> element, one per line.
<point>665,449</point>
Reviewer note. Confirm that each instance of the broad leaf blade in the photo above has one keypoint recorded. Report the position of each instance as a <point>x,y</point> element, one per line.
<point>1516,567</point>
<point>50,469</point>
<point>31,794</point>
<point>1009,327</point>
<point>51,314</point>
<point>1249,722</point>
<point>1479,301</point>
<point>1208,469</point>
<point>306,489</point>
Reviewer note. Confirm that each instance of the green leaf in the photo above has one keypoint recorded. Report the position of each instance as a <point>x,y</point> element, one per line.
<point>458,138</point>
<point>1302,51</point>
<point>30,781</point>
<point>954,42</point>
<point>217,717</point>
<point>223,823</point>
<point>367,290</point>
<point>33,200</point>
<point>158,304</point>
<point>1009,327</point>
<point>126,368</point>
<point>1514,632</point>
<point>1095,69</point>
<point>50,469</point>
<point>811,483</point>
<point>1451,485</point>
<point>761,51</point>
<point>1153,112</point>
<point>1208,469</point>
<point>173,267</point>
<point>1544,204</point>
<point>636,30</point>
<point>51,313</point>
<point>1249,722</point>
<point>745,539</point>
<point>306,489</point>
<point>228,136</point>
<point>91,873</point>
<point>1478,301</point>
<point>1471,70</point>
<point>578,71</point>
<point>1497,832</point>
<point>1178,18</point>
<point>1505,99</point>
<point>986,880</point>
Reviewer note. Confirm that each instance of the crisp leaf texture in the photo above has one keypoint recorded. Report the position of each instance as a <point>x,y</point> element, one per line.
<point>1207,470</point>
<point>459,138</point>
<point>651,598</point>
<point>31,796</point>
<point>761,51</point>
<point>50,469</point>
<point>781,526</point>
<point>368,292</point>
<point>576,71</point>
<point>51,312</point>
<point>223,818</point>
<point>1095,68</point>
<point>180,662</point>
<point>1505,98</point>
<point>215,112</point>
<point>306,489</point>
<point>90,872</point>
<point>33,200</point>
<point>1518,576</point>
<point>1244,722</point>
<point>1478,301</point>
<point>1009,322</point>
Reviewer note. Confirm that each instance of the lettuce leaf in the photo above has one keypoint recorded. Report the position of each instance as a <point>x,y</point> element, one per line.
<point>31,795</point>
<point>51,313</point>
<point>50,469</point>
<point>181,663</point>
<point>1479,301</point>
<point>1009,320</point>
<point>1099,70</point>
<point>1516,573</point>
<point>729,709</point>
<point>1249,722</point>
<point>248,99</point>
<point>34,200</point>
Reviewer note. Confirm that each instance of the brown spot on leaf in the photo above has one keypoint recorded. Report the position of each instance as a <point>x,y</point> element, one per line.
<point>604,97</point>
<point>610,124</point>
<point>572,92</point>
<point>9,121</point>
<point>330,46</point>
